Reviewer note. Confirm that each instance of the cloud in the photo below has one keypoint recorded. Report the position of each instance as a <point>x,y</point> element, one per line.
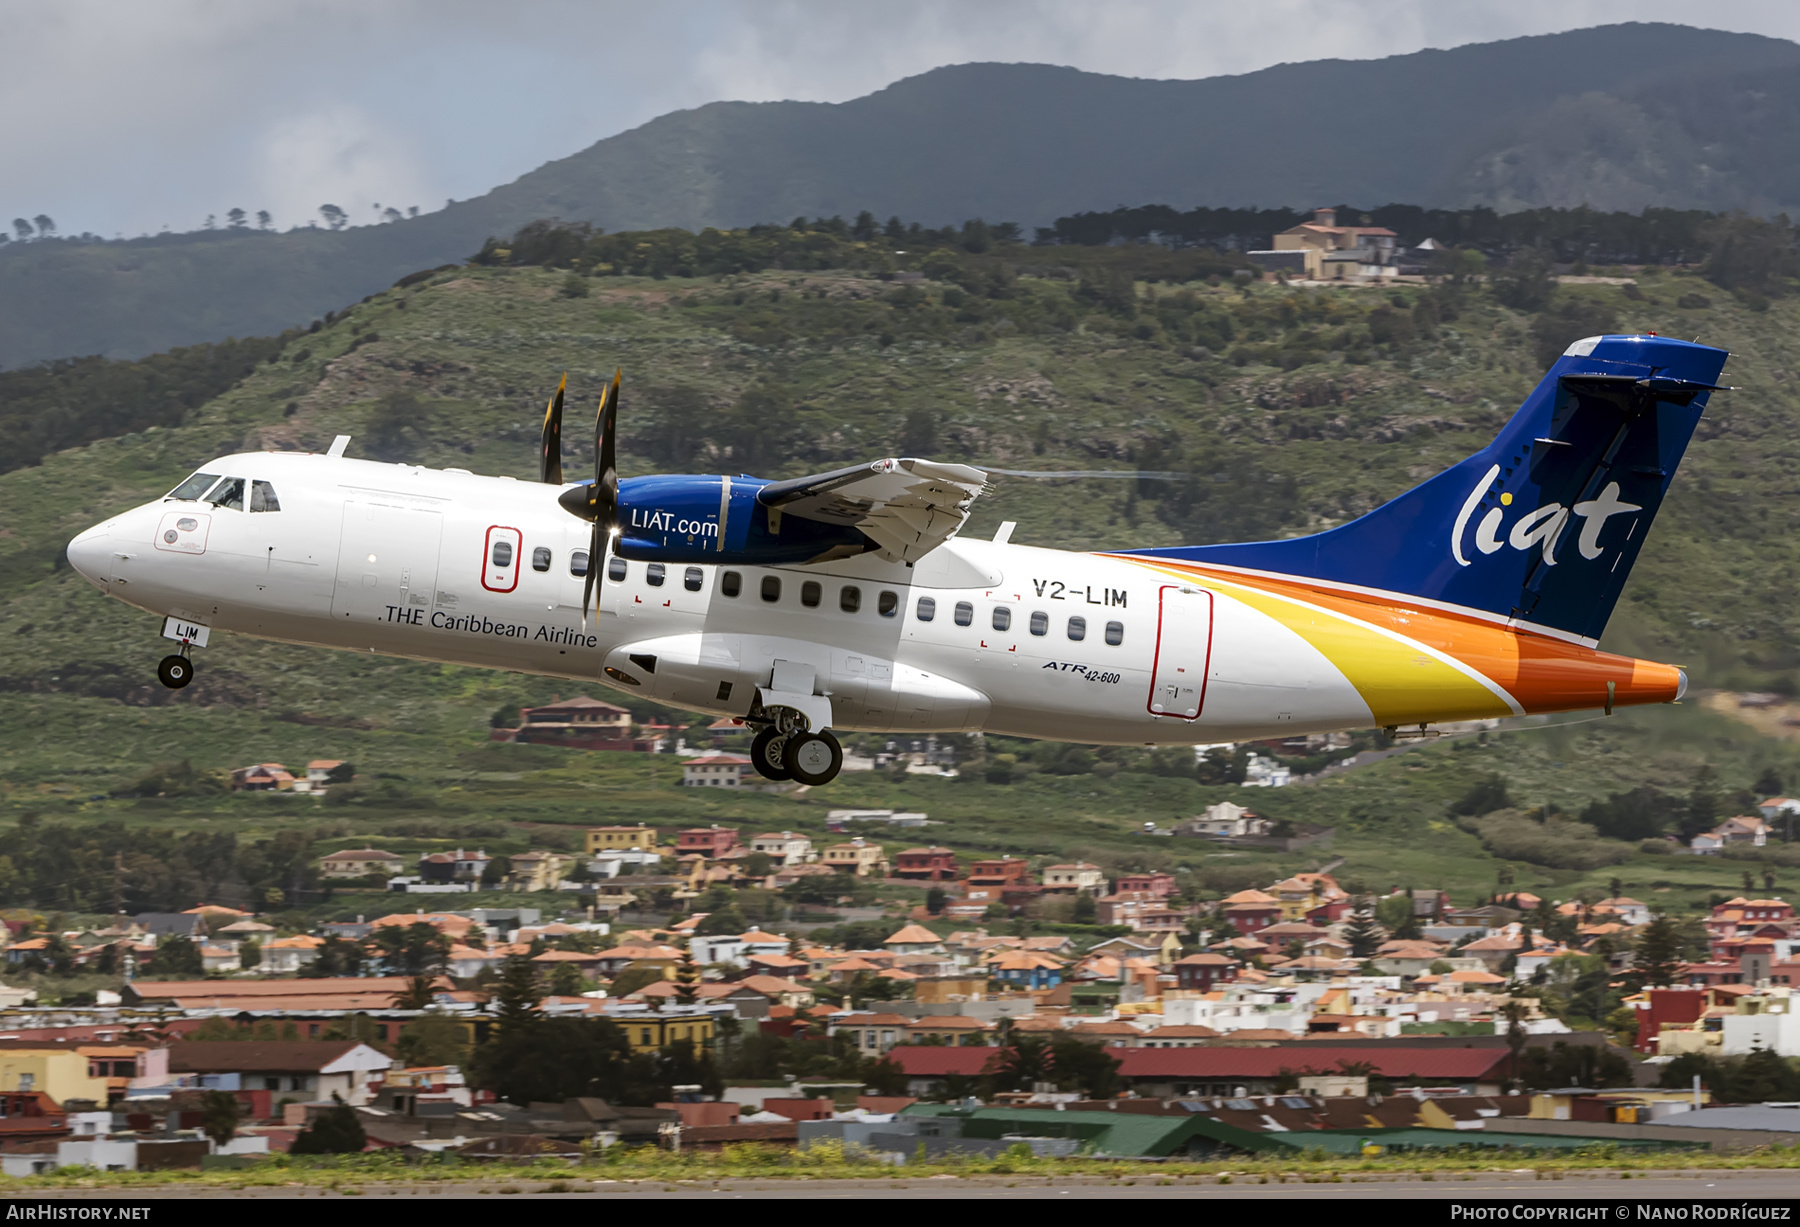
<point>337,155</point>
<point>124,117</point>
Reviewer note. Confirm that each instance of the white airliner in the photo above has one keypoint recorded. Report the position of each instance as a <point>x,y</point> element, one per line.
<point>849,601</point>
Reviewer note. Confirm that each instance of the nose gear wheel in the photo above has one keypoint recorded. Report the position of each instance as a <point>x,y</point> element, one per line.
<point>175,671</point>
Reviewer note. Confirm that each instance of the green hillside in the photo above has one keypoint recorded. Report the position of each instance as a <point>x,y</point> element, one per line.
<point>1566,119</point>
<point>1291,409</point>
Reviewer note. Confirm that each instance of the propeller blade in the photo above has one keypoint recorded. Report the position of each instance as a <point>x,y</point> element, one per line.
<point>594,562</point>
<point>603,495</point>
<point>550,453</point>
<point>606,469</point>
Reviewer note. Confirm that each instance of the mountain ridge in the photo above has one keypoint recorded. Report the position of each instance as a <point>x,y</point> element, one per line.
<point>1014,142</point>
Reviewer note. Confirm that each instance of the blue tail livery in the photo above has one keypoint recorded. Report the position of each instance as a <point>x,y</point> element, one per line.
<point>1542,526</point>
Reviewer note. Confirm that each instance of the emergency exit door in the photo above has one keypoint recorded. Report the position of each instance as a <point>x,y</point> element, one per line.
<point>1183,652</point>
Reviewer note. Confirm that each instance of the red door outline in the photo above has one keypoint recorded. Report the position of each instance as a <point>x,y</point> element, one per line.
<point>1162,610</point>
<point>517,541</point>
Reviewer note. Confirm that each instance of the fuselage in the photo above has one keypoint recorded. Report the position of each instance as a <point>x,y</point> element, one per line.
<point>452,567</point>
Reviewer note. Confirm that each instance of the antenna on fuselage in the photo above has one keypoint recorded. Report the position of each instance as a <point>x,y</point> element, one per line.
<point>338,445</point>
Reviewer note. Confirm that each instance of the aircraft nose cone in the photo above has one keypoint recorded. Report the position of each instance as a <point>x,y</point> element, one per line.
<point>91,555</point>
<point>1681,684</point>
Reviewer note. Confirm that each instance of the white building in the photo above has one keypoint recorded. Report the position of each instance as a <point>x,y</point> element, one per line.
<point>784,848</point>
<point>719,771</point>
<point>722,950</point>
<point>1224,821</point>
<point>1260,772</point>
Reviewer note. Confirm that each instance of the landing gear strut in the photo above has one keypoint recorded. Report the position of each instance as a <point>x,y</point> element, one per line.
<point>175,671</point>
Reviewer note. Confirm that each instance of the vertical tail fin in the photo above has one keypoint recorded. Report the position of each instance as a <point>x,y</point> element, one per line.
<point>1543,525</point>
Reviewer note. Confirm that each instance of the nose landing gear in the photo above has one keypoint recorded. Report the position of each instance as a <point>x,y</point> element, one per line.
<point>175,671</point>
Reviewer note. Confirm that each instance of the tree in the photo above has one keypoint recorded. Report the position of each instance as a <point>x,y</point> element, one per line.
<point>177,956</point>
<point>263,220</point>
<point>1082,1065</point>
<point>335,1131</point>
<point>1656,952</point>
<point>250,955</point>
<point>566,980</point>
<point>1769,784</point>
<point>550,1060</point>
<point>1514,1012</point>
<point>419,993</point>
<point>1022,1064</point>
<point>633,978</point>
<point>45,227</point>
<point>935,899</point>
<point>1524,283</point>
<point>236,219</point>
<point>884,1076</point>
<point>1703,803</point>
<point>1363,934</point>
<point>334,217</point>
<point>516,1000</point>
<point>433,1039</point>
<point>417,949</point>
<point>22,228</point>
<point>722,923</point>
<point>1086,910</point>
<point>1484,796</point>
<point>1565,1064</point>
<point>687,979</point>
<point>219,1114</point>
<point>337,957</point>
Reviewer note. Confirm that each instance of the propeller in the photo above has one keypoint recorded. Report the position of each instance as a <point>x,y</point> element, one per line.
<point>598,500</point>
<point>550,453</point>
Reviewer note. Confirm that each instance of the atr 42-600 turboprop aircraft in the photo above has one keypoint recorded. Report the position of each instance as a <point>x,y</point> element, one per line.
<point>847,601</point>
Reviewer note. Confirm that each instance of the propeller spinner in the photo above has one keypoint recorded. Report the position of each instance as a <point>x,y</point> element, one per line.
<point>598,500</point>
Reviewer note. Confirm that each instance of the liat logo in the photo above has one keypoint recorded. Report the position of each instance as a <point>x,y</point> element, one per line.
<point>1540,528</point>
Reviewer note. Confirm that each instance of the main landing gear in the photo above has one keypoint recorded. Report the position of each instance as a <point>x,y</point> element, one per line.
<point>797,754</point>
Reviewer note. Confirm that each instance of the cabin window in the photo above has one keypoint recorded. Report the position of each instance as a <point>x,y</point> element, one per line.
<point>926,609</point>
<point>229,495</point>
<point>262,497</point>
<point>850,598</point>
<point>1002,617</point>
<point>965,613</point>
<point>503,552</point>
<point>540,558</point>
<point>1078,628</point>
<point>811,594</point>
<point>654,573</point>
<point>191,489</point>
<point>887,604</point>
<point>616,568</point>
<point>578,562</point>
<point>1115,633</point>
<point>771,588</point>
<point>692,579</point>
<point>1040,623</point>
<point>731,583</point>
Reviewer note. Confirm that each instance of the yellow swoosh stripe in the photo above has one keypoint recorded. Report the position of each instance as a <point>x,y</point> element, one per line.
<point>1402,681</point>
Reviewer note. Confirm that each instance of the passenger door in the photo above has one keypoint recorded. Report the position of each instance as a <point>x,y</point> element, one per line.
<point>1183,652</point>
<point>387,562</point>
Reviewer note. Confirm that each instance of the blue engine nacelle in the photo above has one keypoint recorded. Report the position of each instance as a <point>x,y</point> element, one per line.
<point>689,518</point>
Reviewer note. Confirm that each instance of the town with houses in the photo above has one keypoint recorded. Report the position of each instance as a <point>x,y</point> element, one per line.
<point>1288,1017</point>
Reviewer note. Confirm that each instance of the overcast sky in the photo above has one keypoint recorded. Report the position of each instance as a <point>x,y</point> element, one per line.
<point>126,116</point>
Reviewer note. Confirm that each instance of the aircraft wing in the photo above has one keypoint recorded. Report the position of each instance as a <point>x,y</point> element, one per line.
<point>906,507</point>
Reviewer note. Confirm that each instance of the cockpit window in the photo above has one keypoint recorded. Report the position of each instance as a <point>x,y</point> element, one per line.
<point>229,494</point>
<point>262,497</point>
<point>193,487</point>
